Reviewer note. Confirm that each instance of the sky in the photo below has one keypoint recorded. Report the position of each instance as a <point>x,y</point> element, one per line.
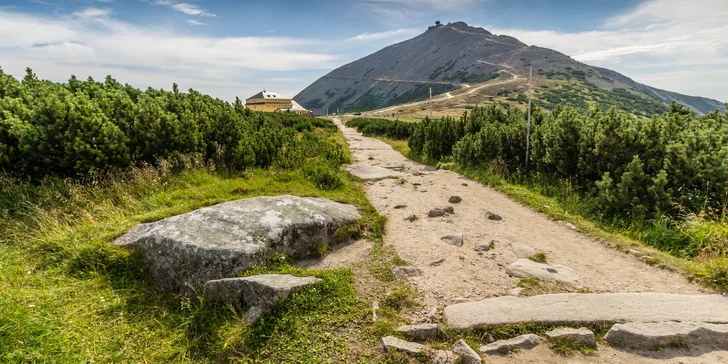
<point>237,48</point>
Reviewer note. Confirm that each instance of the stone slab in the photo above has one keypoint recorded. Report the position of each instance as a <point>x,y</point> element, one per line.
<point>652,336</point>
<point>578,309</point>
<point>526,268</point>
<point>371,172</point>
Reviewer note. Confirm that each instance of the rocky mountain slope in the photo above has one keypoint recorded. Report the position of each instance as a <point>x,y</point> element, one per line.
<point>456,55</point>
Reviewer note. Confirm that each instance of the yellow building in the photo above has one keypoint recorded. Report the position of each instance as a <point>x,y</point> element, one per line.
<point>269,101</point>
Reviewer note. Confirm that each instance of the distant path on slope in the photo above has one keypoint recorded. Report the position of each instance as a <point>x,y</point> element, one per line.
<point>392,80</point>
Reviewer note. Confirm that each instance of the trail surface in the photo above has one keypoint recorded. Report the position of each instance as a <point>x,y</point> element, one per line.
<point>465,275</point>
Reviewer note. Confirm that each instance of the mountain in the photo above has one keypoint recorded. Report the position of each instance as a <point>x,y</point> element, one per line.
<point>455,57</point>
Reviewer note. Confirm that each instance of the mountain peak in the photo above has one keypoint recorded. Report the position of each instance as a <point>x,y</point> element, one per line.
<point>462,26</point>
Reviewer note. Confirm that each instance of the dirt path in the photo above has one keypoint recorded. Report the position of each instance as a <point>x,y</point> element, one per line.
<point>466,275</point>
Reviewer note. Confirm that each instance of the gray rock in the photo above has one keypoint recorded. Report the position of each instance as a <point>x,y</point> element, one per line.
<point>400,207</point>
<point>523,342</point>
<point>444,357</point>
<point>449,210</point>
<point>572,309</point>
<point>493,216</point>
<point>393,343</point>
<point>394,166</point>
<point>526,268</point>
<point>571,226</point>
<point>523,251</point>
<point>651,336</point>
<point>468,355</point>
<point>411,218</point>
<point>371,172</point>
<point>465,184</point>
<point>185,251</point>
<point>436,212</point>
<point>581,337</point>
<point>421,331</point>
<point>429,169</point>
<point>258,294</point>
<point>406,271</point>
<point>453,239</point>
<point>435,263</point>
<point>484,247</point>
<point>454,199</point>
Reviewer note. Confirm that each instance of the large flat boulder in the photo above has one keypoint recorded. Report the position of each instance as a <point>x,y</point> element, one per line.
<point>502,347</point>
<point>579,309</point>
<point>366,172</point>
<point>658,335</point>
<point>223,240</point>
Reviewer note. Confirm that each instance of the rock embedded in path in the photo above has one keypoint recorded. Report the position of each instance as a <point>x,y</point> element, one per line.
<point>183,252</point>
<point>435,263</point>
<point>468,355</point>
<point>516,291</point>
<point>581,337</point>
<point>453,239</point>
<point>436,212</point>
<point>449,210</point>
<point>411,218</point>
<point>429,169</point>
<point>652,336</point>
<point>393,343</point>
<point>502,347</point>
<point>454,199</point>
<point>445,357</point>
<point>394,166</point>
<point>406,271</point>
<point>366,172</point>
<point>257,294</point>
<point>419,332</point>
<point>574,309</point>
<point>400,207</point>
<point>526,268</point>
<point>493,216</point>
<point>484,247</point>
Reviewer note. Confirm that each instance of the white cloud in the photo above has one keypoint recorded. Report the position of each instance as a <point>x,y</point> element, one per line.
<point>407,10</point>
<point>686,37</point>
<point>188,9</point>
<point>383,35</point>
<point>194,22</point>
<point>90,42</point>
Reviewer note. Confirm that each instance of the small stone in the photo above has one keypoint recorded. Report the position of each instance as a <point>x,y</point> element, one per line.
<point>421,331</point>
<point>523,342</point>
<point>493,216</point>
<point>484,247</point>
<point>252,315</point>
<point>465,184</point>
<point>462,257</point>
<point>526,268</point>
<point>435,263</point>
<point>454,199</point>
<point>394,166</point>
<point>444,357</point>
<point>453,239</point>
<point>571,226</point>
<point>516,291</point>
<point>468,355</point>
<point>581,337</point>
<point>400,207</point>
<point>429,169</point>
<point>436,213</point>
<point>411,218</point>
<point>417,173</point>
<point>393,343</point>
<point>449,210</point>
<point>371,158</point>
<point>406,271</point>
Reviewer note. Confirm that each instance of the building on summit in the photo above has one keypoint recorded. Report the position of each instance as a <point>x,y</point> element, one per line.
<point>269,101</point>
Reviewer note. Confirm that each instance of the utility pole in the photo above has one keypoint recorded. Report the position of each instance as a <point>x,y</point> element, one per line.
<point>430,102</point>
<point>528,128</point>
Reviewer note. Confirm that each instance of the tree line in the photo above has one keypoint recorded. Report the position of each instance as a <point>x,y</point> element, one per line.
<point>80,128</point>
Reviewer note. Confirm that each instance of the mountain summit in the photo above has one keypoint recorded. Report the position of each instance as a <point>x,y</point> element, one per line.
<point>453,56</point>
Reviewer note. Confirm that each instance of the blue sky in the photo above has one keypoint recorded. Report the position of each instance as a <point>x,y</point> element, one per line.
<point>236,48</point>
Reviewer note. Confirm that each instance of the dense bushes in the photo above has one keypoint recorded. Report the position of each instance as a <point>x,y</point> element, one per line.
<point>627,165</point>
<point>84,127</point>
<point>393,129</point>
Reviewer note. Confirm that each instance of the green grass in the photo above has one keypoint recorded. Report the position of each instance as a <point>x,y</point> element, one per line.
<point>539,257</point>
<point>67,295</point>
